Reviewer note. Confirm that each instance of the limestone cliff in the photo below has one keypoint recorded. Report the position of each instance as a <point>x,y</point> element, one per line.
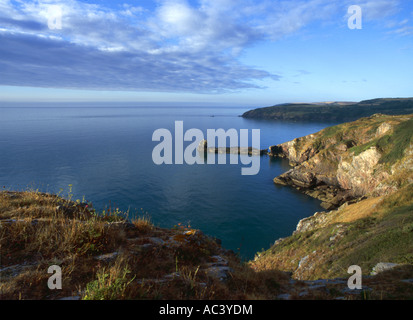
<point>351,160</point>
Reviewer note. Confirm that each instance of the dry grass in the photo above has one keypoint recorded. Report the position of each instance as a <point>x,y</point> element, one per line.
<point>106,257</point>
<point>143,223</point>
<point>356,211</point>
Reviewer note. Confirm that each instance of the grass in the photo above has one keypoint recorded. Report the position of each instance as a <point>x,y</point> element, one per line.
<point>143,223</point>
<point>111,284</point>
<point>376,229</point>
<point>331,131</point>
<point>392,146</point>
<point>361,148</point>
<point>104,256</point>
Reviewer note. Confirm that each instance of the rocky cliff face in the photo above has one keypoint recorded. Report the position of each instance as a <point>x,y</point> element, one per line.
<point>347,161</point>
<point>357,173</point>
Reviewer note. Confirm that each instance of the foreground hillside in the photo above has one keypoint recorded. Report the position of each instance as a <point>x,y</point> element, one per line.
<point>334,112</point>
<point>364,171</point>
<point>104,256</point>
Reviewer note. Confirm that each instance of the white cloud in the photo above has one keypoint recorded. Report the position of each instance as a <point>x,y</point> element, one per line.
<point>178,18</point>
<point>403,30</point>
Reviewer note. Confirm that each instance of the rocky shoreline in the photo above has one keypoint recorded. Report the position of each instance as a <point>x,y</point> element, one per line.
<point>331,196</point>
<point>344,164</point>
<point>305,180</point>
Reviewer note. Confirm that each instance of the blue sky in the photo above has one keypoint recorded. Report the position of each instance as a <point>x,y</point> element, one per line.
<point>220,52</point>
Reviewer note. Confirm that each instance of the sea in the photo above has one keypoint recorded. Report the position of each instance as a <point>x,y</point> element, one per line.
<point>103,153</point>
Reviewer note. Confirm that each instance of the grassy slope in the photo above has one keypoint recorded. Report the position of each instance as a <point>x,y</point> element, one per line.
<point>360,136</point>
<point>383,234</point>
<point>332,112</point>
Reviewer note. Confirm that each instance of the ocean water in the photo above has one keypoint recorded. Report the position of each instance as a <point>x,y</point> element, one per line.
<point>105,153</point>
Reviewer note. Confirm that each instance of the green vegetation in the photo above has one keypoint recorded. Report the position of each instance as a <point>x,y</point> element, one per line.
<point>360,149</point>
<point>392,146</point>
<point>110,285</point>
<point>331,131</point>
<point>334,112</point>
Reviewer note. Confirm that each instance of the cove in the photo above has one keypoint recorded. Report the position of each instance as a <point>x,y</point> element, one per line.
<point>105,153</point>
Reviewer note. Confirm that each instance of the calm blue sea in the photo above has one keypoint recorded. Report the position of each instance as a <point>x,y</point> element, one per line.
<point>105,153</point>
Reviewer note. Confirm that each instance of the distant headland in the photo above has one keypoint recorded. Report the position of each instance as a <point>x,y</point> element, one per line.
<point>332,111</point>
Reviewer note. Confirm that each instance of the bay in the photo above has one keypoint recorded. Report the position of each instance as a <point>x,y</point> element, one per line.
<point>104,151</point>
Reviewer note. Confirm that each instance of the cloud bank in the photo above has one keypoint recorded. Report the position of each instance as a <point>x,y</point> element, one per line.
<point>175,45</point>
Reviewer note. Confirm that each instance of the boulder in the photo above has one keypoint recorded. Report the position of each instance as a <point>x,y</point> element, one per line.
<point>383,266</point>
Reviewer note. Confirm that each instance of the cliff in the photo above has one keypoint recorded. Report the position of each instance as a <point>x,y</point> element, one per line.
<point>363,171</point>
<point>368,157</point>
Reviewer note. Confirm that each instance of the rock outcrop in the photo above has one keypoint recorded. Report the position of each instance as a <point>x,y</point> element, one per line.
<point>345,162</point>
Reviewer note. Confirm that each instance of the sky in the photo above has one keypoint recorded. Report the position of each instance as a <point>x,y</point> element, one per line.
<point>210,52</point>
